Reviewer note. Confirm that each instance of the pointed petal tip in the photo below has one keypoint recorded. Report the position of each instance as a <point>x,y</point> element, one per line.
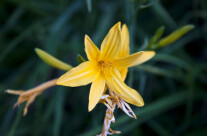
<point>25,112</point>
<point>139,103</point>
<point>86,36</point>
<point>152,53</point>
<point>62,81</point>
<point>90,108</point>
<point>142,104</point>
<point>149,53</point>
<point>59,82</point>
<point>124,26</point>
<point>118,25</point>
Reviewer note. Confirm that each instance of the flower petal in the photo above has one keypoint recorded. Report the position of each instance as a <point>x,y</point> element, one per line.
<point>110,45</point>
<point>123,73</point>
<point>91,50</point>
<point>83,74</point>
<point>97,89</point>
<point>116,84</point>
<point>132,60</point>
<point>124,49</point>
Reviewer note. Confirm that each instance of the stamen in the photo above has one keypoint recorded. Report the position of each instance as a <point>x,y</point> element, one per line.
<point>105,66</point>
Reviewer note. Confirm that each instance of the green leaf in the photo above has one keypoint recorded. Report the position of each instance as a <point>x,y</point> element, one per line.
<point>175,35</point>
<point>52,61</point>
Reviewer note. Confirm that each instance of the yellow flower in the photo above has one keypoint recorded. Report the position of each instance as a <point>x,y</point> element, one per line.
<point>106,66</point>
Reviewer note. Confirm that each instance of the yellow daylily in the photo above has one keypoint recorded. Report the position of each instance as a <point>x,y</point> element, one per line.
<point>107,66</point>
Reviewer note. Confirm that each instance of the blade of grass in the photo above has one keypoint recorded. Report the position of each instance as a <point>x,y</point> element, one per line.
<point>5,124</point>
<point>28,31</point>
<point>163,14</point>
<point>171,59</point>
<point>161,72</point>
<point>13,19</point>
<point>58,111</point>
<point>40,8</point>
<point>158,128</point>
<point>89,5</point>
<point>16,122</point>
<point>64,17</point>
<point>132,29</point>
<point>189,104</point>
<point>103,26</point>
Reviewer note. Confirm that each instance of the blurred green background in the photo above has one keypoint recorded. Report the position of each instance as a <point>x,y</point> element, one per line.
<point>173,84</point>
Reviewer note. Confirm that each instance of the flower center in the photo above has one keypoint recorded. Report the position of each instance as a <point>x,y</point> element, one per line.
<point>104,65</point>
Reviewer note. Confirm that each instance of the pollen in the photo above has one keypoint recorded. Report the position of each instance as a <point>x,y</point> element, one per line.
<point>104,65</point>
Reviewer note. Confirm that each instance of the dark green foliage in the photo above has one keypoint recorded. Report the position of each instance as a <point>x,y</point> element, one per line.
<point>173,84</point>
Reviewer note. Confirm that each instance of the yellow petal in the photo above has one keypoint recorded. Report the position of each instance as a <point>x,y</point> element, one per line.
<point>116,84</point>
<point>91,50</point>
<point>132,60</point>
<point>111,43</point>
<point>97,89</point>
<point>83,74</point>
<point>123,73</point>
<point>124,49</point>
